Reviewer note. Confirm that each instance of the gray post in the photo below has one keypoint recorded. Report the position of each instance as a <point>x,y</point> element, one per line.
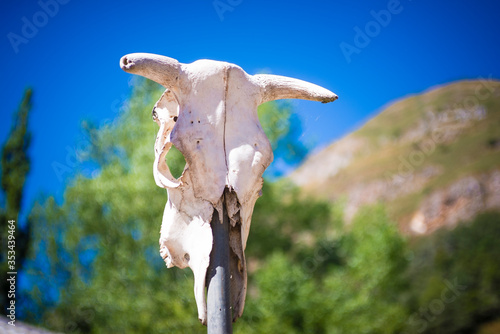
<point>219,319</point>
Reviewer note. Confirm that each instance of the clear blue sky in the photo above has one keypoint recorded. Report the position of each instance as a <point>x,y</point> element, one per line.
<point>72,58</point>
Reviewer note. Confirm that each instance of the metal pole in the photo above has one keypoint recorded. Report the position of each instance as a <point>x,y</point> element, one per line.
<point>219,319</point>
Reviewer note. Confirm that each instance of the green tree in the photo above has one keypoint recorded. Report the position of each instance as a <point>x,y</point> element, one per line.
<point>456,278</point>
<point>15,165</point>
<point>367,294</point>
<point>283,128</point>
<point>360,290</point>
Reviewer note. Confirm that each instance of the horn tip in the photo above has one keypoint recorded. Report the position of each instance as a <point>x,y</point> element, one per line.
<point>126,63</point>
<point>332,97</point>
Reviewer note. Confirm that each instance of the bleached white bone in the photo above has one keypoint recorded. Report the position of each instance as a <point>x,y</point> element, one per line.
<point>209,112</point>
<point>165,113</point>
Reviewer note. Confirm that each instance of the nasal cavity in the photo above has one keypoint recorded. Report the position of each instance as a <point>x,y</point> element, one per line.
<point>175,162</point>
<point>124,62</point>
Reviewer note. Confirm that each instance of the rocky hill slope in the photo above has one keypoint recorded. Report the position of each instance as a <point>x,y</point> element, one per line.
<point>433,158</point>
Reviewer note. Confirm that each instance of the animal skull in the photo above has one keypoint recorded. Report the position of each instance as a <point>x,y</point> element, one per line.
<point>209,112</point>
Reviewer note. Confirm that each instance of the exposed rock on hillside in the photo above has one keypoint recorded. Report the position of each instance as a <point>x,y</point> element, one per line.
<point>433,158</point>
<point>458,202</point>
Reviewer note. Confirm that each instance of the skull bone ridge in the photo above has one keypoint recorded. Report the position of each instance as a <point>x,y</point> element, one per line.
<point>209,112</point>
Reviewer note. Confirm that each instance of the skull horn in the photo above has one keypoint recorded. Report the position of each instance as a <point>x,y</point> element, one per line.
<point>161,69</point>
<point>276,87</point>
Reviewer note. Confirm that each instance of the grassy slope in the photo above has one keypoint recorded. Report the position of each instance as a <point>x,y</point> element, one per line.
<point>470,152</point>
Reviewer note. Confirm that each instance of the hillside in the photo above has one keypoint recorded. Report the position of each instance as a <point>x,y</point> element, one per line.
<point>433,158</point>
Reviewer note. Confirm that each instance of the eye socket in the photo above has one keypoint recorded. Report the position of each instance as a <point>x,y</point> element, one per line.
<point>153,114</point>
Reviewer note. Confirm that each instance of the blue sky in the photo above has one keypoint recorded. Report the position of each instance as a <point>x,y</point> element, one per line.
<point>367,53</point>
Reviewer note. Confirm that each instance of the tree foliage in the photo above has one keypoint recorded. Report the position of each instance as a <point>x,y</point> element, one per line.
<point>455,278</point>
<point>15,160</point>
<point>15,165</point>
<point>283,128</point>
<point>352,283</point>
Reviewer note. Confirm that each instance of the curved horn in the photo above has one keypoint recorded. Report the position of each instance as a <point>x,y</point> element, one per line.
<point>275,87</point>
<point>161,69</point>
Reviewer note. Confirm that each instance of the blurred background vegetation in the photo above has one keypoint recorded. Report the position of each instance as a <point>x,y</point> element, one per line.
<point>93,264</point>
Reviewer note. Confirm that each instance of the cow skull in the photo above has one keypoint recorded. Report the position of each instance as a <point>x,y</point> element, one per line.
<point>209,112</point>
